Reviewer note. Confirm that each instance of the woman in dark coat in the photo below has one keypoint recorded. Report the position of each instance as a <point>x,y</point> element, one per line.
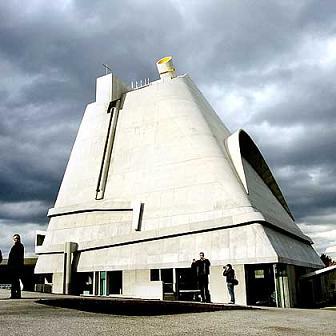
<point>230,276</point>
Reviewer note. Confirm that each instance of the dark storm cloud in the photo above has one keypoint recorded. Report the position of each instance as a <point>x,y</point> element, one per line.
<point>309,98</point>
<point>19,212</point>
<point>242,36</point>
<point>305,168</point>
<point>85,34</point>
<point>310,194</point>
<point>32,152</point>
<point>318,15</point>
<point>318,141</point>
<point>51,53</point>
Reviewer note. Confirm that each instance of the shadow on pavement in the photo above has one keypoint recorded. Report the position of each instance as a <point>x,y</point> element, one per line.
<point>136,307</point>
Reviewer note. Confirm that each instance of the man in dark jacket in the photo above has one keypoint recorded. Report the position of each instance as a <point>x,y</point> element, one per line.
<point>15,266</point>
<point>201,268</point>
<point>230,276</point>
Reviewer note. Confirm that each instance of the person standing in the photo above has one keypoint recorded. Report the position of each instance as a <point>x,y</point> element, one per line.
<point>0,257</point>
<point>229,273</point>
<point>201,268</point>
<point>15,266</point>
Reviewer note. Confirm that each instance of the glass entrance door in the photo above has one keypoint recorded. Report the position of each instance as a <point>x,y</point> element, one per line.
<point>102,283</point>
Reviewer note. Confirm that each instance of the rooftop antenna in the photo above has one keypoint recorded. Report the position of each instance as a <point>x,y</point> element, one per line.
<point>107,68</point>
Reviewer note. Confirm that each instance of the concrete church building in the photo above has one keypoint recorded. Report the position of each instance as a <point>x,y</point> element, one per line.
<point>154,178</point>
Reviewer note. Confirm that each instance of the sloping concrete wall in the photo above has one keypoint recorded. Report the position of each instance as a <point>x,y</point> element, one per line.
<point>235,245</point>
<point>171,189</point>
<point>81,175</point>
<point>264,201</point>
<point>293,251</point>
<point>166,156</point>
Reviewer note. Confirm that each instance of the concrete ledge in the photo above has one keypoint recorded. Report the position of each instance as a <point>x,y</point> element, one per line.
<point>90,207</point>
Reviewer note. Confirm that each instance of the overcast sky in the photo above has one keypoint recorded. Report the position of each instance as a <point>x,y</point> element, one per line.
<point>266,66</point>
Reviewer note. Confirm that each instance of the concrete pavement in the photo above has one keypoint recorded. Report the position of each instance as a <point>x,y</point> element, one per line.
<point>27,317</point>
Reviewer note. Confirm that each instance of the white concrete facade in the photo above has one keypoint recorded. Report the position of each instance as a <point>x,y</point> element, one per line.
<point>154,177</point>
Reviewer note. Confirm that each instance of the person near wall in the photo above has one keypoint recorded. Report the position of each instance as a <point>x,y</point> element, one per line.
<point>229,273</point>
<point>15,266</point>
<point>201,268</point>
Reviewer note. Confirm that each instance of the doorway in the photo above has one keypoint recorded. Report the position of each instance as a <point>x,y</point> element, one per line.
<point>260,285</point>
<point>82,283</point>
<point>114,282</point>
<point>187,287</point>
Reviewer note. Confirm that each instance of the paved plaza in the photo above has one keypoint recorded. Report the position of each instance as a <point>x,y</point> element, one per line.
<point>29,317</point>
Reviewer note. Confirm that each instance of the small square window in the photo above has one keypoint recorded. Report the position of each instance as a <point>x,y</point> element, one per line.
<point>155,275</point>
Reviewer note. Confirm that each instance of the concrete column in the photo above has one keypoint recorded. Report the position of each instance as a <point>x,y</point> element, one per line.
<point>277,299</point>
<point>95,283</point>
<point>175,289</point>
<point>282,286</point>
<point>69,249</point>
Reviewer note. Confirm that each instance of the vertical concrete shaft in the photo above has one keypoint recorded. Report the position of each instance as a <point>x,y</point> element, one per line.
<point>69,249</point>
<point>105,165</point>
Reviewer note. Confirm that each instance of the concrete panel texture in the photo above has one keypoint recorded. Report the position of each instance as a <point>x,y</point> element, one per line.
<point>169,155</point>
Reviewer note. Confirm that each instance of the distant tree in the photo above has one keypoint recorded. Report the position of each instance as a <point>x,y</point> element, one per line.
<point>327,260</point>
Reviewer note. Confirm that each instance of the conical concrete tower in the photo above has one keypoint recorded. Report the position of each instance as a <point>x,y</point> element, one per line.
<point>154,177</point>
